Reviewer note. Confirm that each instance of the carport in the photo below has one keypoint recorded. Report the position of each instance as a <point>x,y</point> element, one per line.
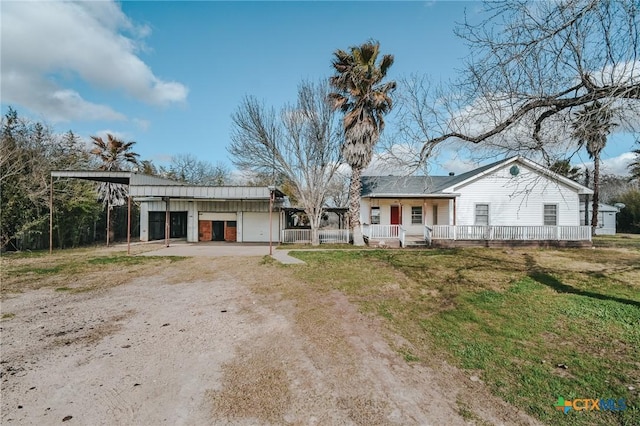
<point>130,179</point>
<point>201,213</point>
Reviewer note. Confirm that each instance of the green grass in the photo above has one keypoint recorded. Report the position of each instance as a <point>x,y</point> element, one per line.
<point>509,316</point>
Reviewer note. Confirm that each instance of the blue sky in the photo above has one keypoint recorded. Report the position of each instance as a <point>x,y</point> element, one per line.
<point>168,75</point>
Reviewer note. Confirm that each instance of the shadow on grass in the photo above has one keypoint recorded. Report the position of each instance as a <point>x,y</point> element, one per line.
<point>539,275</point>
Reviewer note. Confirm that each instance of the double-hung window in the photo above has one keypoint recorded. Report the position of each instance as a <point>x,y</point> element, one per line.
<point>416,215</point>
<point>550,214</point>
<point>482,214</point>
<point>375,215</point>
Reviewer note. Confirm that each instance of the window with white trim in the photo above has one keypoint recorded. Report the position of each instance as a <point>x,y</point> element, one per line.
<point>375,215</point>
<point>482,214</point>
<point>416,215</point>
<point>550,214</point>
<point>435,214</point>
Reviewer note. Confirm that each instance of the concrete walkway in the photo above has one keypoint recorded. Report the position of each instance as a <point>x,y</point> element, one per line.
<point>223,249</point>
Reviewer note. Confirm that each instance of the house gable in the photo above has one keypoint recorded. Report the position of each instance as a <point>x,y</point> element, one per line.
<point>544,173</point>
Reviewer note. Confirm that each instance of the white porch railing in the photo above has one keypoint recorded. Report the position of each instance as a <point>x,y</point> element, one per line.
<point>381,231</point>
<point>427,234</point>
<point>403,236</point>
<point>296,236</point>
<point>334,236</point>
<point>325,236</point>
<point>510,233</point>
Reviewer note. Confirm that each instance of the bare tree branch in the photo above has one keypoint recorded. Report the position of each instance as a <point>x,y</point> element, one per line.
<point>302,144</point>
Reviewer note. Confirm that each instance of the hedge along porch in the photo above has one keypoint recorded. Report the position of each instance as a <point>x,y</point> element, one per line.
<point>208,213</point>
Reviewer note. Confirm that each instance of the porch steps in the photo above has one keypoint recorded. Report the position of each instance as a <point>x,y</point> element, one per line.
<point>415,242</point>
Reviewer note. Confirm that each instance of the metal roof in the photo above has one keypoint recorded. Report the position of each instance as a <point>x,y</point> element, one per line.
<point>205,192</point>
<point>141,185</point>
<point>121,177</point>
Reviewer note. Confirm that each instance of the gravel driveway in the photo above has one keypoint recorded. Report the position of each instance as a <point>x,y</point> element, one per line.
<point>239,342</point>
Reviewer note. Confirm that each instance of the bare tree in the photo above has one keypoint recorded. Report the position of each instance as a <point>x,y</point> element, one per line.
<point>533,64</point>
<point>301,144</point>
<point>188,168</point>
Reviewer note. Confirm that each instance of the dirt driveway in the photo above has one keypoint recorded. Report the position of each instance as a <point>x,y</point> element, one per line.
<point>220,341</point>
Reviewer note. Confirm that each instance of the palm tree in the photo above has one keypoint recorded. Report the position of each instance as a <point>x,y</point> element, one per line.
<point>591,126</point>
<point>564,168</point>
<point>114,155</point>
<point>364,100</point>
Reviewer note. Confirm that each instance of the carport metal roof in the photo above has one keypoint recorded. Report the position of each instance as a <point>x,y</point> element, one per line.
<point>124,178</point>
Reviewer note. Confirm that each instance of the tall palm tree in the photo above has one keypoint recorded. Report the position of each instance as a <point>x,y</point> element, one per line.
<point>591,126</point>
<point>114,155</point>
<point>364,99</point>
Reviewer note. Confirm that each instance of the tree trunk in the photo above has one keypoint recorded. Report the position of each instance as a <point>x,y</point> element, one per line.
<point>314,221</point>
<point>355,188</point>
<point>596,193</point>
<point>586,198</point>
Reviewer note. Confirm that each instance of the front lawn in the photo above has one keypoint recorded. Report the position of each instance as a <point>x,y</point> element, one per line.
<point>534,325</point>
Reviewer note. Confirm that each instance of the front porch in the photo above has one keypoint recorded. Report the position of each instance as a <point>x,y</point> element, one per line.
<point>334,227</point>
<point>469,235</point>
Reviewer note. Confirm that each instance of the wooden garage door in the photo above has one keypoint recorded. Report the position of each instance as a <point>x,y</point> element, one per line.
<point>205,232</point>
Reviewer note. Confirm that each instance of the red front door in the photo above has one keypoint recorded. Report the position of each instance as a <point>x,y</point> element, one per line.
<point>395,215</point>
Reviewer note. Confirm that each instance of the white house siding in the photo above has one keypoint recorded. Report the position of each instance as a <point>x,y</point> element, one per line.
<point>517,200</point>
<point>365,210</point>
<point>255,227</point>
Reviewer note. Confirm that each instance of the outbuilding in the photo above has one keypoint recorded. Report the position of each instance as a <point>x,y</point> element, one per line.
<point>606,218</point>
<point>209,213</point>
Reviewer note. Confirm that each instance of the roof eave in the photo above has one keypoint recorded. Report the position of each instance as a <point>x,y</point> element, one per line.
<point>396,195</point>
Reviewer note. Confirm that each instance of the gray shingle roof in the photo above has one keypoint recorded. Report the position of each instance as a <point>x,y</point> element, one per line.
<point>380,186</point>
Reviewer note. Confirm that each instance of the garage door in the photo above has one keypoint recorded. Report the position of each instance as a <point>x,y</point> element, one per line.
<point>255,227</point>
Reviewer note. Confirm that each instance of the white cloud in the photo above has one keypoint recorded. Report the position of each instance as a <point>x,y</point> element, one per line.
<point>615,165</point>
<point>142,123</point>
<point>45,45</point>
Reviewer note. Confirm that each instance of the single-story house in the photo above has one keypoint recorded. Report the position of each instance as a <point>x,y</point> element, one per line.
<point>606,218</point>
<point>513,200</point>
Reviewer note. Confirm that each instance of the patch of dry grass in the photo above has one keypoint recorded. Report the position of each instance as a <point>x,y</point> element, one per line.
<point>76,270</point>
<point>255,387</point>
